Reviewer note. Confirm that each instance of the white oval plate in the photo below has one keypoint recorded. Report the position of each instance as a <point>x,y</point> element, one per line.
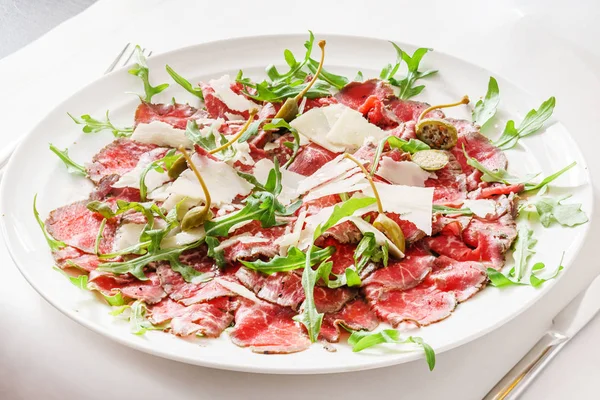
<point>34,169</point>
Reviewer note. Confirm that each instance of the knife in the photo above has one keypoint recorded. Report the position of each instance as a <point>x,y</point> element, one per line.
<point>565,326</point>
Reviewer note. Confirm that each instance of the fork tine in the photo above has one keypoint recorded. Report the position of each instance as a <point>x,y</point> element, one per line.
<point>114,63</point>
<point>129,58</point>
<point>149,54</point>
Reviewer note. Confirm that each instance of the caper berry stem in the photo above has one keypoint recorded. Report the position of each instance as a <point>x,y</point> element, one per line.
<point>207,199</point>
<point>237,135</point>
<point>368,176</point>
<point>300,95</point>
<point>464,100</point>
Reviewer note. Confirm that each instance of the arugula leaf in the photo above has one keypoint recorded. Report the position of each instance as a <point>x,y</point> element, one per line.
<point>99,236</point>
<point>411,146</point>
<point>81,281</point>
<point>115,300</point>
<point>536,281</point>
<point>275,93</point>
<point>502,176</point>
<point>278,123</point>
<point>251,131</point>
<point>532,122</point>
<point>218,255</point>
<point>295,67</point>
<point>451,210</point>
<point>368,250</point>
<point>184,83</point>
<point>360,340</point>
<point>359,77</point>
<point>72,166</point>
<point>334,80</point>
<point>161,165</point>
<point>261,206</point>
<point>485,109</point>
<point>295,259</point>
<point>343,210</point>
<point>530,187</point>
<point>310,317</point>
<point>136,266</point>
<point>552,210</point>
<point>138,321</point>
<point>406,85</point>
<point>148,209</point>
<point>498,279</point>
<point>523,250</point>
<point>52,243</point>
<point>209,141</point>
<point>140,69</point>
<point>93,125</point>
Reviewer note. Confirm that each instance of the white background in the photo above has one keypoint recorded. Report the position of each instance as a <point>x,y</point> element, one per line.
<point>547,47</point>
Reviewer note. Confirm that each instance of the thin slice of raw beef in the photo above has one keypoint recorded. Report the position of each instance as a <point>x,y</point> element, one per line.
<point>77,226</point>
<point>356,315</point>
<point>267,328</point>
<point>176,115</point>
<point>285,289</point>
<point>450,184</point>
<point>310,158</point>
<point>149,291</point>
<point>403,274</point>
<point>119,157</point>
<point>478,147</point>
<point>206,319</point>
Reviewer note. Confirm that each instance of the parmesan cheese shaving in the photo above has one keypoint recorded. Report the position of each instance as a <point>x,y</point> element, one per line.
<point>243,238</point>
<point>221,179</point>
<point>153,179</point>
<point>402,172</point>
<point>482,207</point>
<point>127,235</point>
<point>233,101</point>
<point>291,238</point>
<point>161,134</point>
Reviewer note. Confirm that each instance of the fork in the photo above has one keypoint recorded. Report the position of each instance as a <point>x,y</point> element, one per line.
<point>121,60</point>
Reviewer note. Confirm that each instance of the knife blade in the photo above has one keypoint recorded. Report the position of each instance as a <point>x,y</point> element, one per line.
<point>565,325</point>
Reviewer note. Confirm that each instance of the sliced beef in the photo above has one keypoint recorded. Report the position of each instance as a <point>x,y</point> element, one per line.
<point>403,274</point>
<point>216,108</point>
<point>450,184</point>
<point>149,291</point>
<point>310,158</point>
<point>206,319</point>
<point>268,328</point>
<point>117,158</point>
<point>477,146</point>
<point>285,289</point>
<point>241,250</point>
<point>356,315</point>
<point>176,115</point>
<point>77,226</point>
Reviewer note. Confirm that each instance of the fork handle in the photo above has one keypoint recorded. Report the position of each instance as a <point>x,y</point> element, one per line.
<point>524,372</point>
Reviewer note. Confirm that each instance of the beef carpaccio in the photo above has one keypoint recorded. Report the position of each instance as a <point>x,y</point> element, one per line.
<point>202,218</point>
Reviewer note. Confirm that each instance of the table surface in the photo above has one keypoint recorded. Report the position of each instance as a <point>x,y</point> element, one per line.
<point>43,354</point>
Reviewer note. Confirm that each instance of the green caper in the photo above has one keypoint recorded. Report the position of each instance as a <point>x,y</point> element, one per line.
<point>437,133</point>
<point>391,230</point>
<point>430,160</point>
<point>289,110</point>
<point>177,168</point>
<point>195,218</point>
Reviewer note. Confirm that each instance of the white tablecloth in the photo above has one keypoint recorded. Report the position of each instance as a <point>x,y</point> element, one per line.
<point>547,47</point>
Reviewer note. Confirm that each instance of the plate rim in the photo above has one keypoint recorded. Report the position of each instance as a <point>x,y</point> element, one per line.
<point>100,329</point>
